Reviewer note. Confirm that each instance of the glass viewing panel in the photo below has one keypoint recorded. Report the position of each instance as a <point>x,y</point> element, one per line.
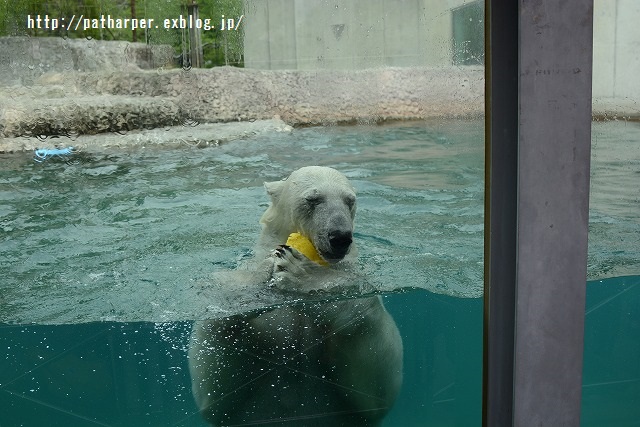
<point>137,286</point>
<point>611,377</point>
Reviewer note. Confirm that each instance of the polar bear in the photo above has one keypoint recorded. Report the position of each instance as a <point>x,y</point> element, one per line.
<point>335,363</point>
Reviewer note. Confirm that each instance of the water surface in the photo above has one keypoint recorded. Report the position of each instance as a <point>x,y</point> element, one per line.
<point>134,235</point>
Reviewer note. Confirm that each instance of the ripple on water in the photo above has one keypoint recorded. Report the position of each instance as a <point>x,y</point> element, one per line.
<point>137,235</point>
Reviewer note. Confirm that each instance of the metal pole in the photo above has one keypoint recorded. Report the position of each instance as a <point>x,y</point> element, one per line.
<point>553,209</point>
<point>536,235</point>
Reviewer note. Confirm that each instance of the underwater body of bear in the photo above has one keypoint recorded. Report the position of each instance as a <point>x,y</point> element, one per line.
<point>335,363</point>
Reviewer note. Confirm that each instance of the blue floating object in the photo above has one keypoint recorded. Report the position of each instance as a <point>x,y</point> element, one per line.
<point>42,154</point>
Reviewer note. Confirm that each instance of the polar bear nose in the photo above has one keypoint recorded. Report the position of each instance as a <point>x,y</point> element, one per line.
<point>340,240</point>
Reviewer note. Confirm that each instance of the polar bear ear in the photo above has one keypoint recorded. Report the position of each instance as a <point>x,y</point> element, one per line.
<point>274,189</point>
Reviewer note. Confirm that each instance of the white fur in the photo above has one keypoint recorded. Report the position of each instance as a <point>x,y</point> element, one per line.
<point>335,363</point>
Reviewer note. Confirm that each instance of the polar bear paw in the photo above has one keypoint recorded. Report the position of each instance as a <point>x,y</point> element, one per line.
<point>294,271</point>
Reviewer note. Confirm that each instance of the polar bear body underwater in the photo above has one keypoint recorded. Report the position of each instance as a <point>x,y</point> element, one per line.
<point>335,363</point>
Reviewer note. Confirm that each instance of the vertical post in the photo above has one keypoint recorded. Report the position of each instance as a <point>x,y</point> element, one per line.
<point>501,198</point>
<point>553,209</point>
<point>538,68</point>
<point>195,37</point>
<point>134,34</point>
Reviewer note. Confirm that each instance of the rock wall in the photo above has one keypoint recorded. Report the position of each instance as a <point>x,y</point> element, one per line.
<point>94,102</point>
<point>53,87</point>
<point>58,87</point>
<point>24,59</point>
<point>305,97</point>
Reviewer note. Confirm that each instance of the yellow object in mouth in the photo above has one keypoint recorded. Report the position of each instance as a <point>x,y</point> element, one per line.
<point>305,247</point>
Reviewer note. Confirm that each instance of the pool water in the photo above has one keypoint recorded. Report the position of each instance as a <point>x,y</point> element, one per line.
<point>614,206</point>
<point>133,235</point>
<point>104,258</point>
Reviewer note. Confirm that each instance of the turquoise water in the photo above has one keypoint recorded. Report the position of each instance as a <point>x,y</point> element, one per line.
<point>103,260</point>
<point>133,235</point>
<point>614,206</point>
<point>611,376</point>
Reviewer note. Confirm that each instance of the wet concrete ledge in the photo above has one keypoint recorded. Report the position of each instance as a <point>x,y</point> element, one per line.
<point>58,107</point>
<point>193,135</point>
<point>79,103</point>
<point>623,109</point>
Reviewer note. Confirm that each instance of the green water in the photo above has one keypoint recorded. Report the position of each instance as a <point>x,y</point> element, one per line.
<point>136,374</point>
<point>103,259</point>
<point>132,236</point>
<point>614,206</point>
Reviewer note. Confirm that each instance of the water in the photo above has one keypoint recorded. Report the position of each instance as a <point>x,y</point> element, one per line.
<point>135,374</point>
<point>103,262</point>
<point>614,219</point>
<point>611,373</point>
<point>134,235</point>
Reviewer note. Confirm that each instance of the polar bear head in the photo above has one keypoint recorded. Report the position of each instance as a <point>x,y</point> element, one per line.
<point>317,202</point>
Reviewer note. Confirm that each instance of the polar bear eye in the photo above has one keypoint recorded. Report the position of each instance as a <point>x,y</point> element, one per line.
<point>350,201</point>
<point>313,200</point>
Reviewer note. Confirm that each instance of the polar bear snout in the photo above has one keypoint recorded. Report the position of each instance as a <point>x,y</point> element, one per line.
<point>336,243</point>
<point>340,241</point>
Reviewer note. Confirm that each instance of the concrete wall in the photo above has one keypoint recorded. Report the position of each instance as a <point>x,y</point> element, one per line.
<point>358,34</point>
<point>302,34</point>
<point>616,49</point>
